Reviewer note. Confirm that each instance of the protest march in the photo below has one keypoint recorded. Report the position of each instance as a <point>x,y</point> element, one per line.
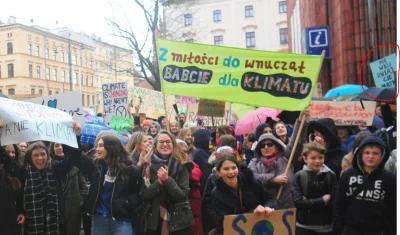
<point>234,143</point>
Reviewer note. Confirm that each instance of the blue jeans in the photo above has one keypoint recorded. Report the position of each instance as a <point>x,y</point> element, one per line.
<point>102,225</point>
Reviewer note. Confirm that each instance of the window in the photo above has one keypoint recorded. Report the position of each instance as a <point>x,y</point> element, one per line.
<point>91,83</point>
<point>88,100</point>
<point>0,71</point>
<point>81,79</point>
<point>10,70</point>
<point>81,60</point>
<point>219,40</point>
<point>30,70</point>
<point>249,11</point>
<point>38,72</point>
<point>56,92</point>
<point>87,80</point>
<point>63,76</point>
<point>282,7</point>
<point>98,98</point>
<point>40,92</point>
<point>32,91</point>
<point>188,19</point>
<point>217,15</point>
<point>83,100</point>
<point>50,92</point>
<point>74,59</point>
<point>85,62</point>
<point>284,38</point>
<point>75,78</point>
<point>9,48</point>
<point>11,91</point>
<point>48,73</point>
<point>54,55</point>
<point>250,39</point>
<point>46,54</point>
<point>91,63</point>
<point>37,51</point>
<point>55,74</point>
<point>62,57</point>
<point>29,49</point>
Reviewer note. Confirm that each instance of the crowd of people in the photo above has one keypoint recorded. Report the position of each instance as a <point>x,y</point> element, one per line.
<point>174,177</point>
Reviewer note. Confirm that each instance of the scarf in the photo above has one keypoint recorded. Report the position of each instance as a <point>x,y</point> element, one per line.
<point>41,203</point>
<point>268,161</point>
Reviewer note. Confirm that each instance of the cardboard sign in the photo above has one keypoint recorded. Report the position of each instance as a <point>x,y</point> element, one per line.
<point>258,78</point>
<point>211,108</point>
<point>115,100</point>
<point>120,123</point>
<point>151,102</point>
<point>25,121</point>
<point>348,113</point>
<point>69,102</point>
<point>383,71</point>
<point>192,116</point>
<point>281,222</point>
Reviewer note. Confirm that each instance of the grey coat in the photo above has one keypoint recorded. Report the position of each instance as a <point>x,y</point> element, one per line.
<point>266,175</point>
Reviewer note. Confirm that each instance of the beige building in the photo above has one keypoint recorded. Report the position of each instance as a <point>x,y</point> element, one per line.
<point>255,24</point>
<point>35,62</point>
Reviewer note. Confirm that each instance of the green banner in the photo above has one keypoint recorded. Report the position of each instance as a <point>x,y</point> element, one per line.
<point>121,123</point>
<point>260,78</point>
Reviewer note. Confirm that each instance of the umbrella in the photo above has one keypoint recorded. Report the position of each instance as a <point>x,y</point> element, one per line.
<point>90,131</point>
<point>381,93</point>
<point>241,109</point>
<point>3,96</point>
<point>345,90</point>
<point>252,119</point>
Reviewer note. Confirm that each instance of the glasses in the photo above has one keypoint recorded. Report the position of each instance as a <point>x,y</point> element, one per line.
<point>161,142</point>
<point>269,145</point>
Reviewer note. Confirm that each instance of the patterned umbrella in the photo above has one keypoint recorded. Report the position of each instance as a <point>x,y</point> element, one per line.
<point>90,132</point>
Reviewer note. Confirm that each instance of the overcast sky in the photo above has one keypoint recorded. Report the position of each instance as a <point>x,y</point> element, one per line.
<point>78,15</point>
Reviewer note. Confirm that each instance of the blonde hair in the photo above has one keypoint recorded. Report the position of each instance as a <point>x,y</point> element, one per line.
<point>134,142</point>
<point>176,150</point>
<point>178,126</point>
<point>183,132</point>
<point>313,146</point>
<point>182,144</point>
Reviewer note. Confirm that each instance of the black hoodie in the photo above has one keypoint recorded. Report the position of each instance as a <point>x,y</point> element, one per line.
<point>374,207</point>
<point>201,154</point>
<point>334,150</point>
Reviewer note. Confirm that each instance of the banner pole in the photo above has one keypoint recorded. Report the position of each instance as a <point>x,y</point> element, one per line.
<point>165,110</point>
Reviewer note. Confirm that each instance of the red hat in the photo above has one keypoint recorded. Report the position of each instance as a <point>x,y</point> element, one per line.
<point>147,123</point>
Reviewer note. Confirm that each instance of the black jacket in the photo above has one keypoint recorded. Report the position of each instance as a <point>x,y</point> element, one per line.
<point>334,150</point>
<point>226,201</point>
<point>314,211</point>
<point>374,206</point>
<point>125,197</point>
<point>201,154</point>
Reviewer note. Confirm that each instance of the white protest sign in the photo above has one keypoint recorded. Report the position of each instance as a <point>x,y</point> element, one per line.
<point>115,100</point>
<point>152,102</point>
<point>69,102</point>
<point>24,121</point>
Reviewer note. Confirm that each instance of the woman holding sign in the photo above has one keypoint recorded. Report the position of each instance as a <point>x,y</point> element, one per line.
<point>236,193</point>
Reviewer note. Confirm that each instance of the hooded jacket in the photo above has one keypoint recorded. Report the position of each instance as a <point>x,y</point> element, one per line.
<point>201,154</point>
<point>159,121</point>
<point>374,206</point>
<point>260,129</point>
<point>334,150</point>
<point>158,129</point>
<point>314,213</point>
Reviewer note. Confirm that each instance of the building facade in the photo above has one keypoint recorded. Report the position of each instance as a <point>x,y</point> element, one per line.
<point>253,24</point>
<point>356,27</point>
<point>35,62</point>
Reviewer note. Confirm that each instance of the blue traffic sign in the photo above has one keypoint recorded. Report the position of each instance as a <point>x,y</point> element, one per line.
<point>317,40</point>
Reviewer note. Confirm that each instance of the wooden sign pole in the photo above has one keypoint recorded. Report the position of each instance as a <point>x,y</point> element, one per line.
<point>165,110</point>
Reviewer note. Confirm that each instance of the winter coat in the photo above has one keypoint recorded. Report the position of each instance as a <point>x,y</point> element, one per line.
<point>314,211</point>
<point>201,153</point>
<point>195,200</point>
<point>334,150</point>
<point>174,190</point>
<point>373,208</point>
<point>125,197</point>
<point>347,145</point>
<point>208,220</point>
<point>226,200</point>
<point>266,176</point>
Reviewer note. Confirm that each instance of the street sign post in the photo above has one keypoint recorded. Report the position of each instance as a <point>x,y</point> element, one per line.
<point>317,40</point>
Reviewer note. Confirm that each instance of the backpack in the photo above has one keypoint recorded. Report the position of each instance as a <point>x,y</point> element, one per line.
<point>304,181</point>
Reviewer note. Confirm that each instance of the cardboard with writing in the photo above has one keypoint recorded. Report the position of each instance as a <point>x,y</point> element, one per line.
<point>281,222</point>
<point>25,121</point>
<point>344,113</point>
<point>121,123</point>
<point>211,108</point>
<point>69,102</point>
<point>115,100</point>
<point>192,115</point>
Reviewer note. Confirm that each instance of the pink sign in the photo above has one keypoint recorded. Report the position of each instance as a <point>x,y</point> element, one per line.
<point>187,99</point>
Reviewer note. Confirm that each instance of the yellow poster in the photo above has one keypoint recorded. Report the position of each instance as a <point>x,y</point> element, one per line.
<point>260,78</point>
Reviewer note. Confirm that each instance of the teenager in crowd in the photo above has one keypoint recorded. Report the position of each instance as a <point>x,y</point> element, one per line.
<point>166,188</point>
<point>155,128</point>
<point>346,137</point>
<point>236,193</point>
<point>138,145</point>
<point>181,119</point>
<point>366,195</point>
<point>14,152</point>
<point>162,121</point>
<point>281,131</point>
<point>313,192</point>
<point>186,135</point>
<point>146,126</point>
<point>174,128</point>
<point>248,153</point>
<point>348,158</point>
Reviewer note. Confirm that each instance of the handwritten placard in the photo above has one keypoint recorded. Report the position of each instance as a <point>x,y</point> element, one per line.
<point>383,71</point>
<point>92,119</point>
<point>151,102</point>
<point>25,121</point>
<point>120,123</point>
<point>211,108</point>
<point>69,102</point>
<point>281,222</point>
<point>115,98</point>
<point>187,100</point>
<point>192,116</point>
<point>349,113</point>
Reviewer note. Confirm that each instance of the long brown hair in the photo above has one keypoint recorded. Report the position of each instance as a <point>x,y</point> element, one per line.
<point>135,141</point>
<point>33,146</point>
<point>6,180</point>
<point>176,150</point>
